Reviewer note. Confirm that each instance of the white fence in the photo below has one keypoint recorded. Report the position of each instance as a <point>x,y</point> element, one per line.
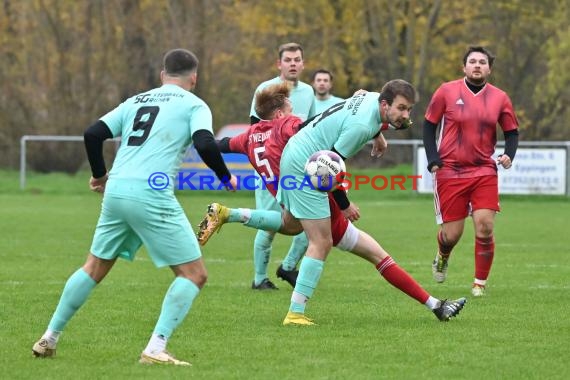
<point>540,167</point>
<point>23,147</point>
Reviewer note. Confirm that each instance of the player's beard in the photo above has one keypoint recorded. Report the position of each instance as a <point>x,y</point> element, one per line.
<point>477,81</point>
<point>397,123</point>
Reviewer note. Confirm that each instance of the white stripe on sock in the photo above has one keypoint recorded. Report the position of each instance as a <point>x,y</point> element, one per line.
<point>298,298</point>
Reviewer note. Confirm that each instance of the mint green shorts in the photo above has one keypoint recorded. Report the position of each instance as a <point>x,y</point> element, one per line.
<point>126,224</point>
<point>299,197</point>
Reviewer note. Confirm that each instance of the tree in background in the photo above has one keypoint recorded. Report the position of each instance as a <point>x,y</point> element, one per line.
<point>65,62</point>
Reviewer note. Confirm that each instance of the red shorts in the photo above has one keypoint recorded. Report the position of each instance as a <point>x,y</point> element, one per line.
<point>339,223</point>
<point>456,198</point>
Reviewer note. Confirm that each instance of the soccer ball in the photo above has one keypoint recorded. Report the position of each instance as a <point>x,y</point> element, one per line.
<point>322,169</point>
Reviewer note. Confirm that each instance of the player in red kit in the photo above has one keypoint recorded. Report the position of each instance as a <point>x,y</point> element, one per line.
<point>263,143</point>
<point>467,111</point>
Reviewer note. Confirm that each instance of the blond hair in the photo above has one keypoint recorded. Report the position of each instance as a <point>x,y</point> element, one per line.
<point>271,99</point>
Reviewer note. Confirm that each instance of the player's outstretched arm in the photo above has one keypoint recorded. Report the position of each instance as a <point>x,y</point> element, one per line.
<point>210,153</point>
<point>224,145</point>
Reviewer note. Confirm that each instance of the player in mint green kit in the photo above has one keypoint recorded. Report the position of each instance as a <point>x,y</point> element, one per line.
<point>139,206</point>
<point>344,129</point>
<point>290,65</point>
<point>322,84</point>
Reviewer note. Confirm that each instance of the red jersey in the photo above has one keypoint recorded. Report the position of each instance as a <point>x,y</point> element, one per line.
<point>263,144</point>
<point>468,132</point>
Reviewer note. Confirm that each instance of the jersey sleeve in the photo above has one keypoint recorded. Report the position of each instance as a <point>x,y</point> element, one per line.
<point>201,118</point>
<point>436,107</point>
<point>114,120</point>
<point>507,119</point>
<point>238,144</point>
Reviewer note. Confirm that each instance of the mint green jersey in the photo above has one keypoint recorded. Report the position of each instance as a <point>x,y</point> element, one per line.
<point>346,127</point>
<point>322,105</point>
<point>302,99</point>
<point>156,128</point>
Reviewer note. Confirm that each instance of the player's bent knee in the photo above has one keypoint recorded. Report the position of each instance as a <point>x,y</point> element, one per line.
<point>194,271</point>
<point>452,237</point>
<point>97,268</point>
<point>291,230</point>
<point>325,244</point>
<point>485,228</point>
<point>200,279</point>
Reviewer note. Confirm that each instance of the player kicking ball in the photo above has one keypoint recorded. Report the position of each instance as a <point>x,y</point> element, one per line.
<point>263,144</point>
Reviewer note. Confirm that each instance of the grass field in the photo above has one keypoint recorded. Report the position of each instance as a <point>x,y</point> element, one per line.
<point>366,329</point>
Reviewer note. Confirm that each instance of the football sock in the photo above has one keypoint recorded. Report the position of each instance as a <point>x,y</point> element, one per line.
<point>241,215</point>
<point>482,283</point>
<point>264,220</point>
<point>261,254</point>
<point>156,344</point>
<point>444,248</point>
<point>52,337</point>
<point>399,278</point>
<point>432,303</point>
<point>75,293</point>
<point>484,253</point>
<point>296,251</point>
<point>310,272</point>
<point>176,304</point>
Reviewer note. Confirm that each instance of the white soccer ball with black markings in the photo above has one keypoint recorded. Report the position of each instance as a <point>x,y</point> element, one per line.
<point>322,169</point>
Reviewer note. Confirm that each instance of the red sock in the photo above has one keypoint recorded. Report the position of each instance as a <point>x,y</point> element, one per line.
<point>444,249</point>
<point>484,253</point>
<point>400,279</point>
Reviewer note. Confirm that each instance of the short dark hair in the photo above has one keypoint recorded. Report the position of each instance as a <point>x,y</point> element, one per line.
<point>397,87</point>
<point>290,46</point>
<point>179,62</point>
<point>321,71</point>
<point>479,49</point>
<point>271,98</point>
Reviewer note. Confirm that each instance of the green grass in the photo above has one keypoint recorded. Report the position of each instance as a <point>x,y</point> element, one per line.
<point>366,329</point>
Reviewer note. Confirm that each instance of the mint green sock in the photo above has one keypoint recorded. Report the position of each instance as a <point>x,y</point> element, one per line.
<point>310,272</point>
<point>235,215</point>
<point>75,292</point>
<point>176,305</point>
<point>261,254</point>
<point>296,251</point>
<point>264,220</point>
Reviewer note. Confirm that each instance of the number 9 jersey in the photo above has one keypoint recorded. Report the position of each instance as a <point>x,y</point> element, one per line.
<point>152,140</point>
